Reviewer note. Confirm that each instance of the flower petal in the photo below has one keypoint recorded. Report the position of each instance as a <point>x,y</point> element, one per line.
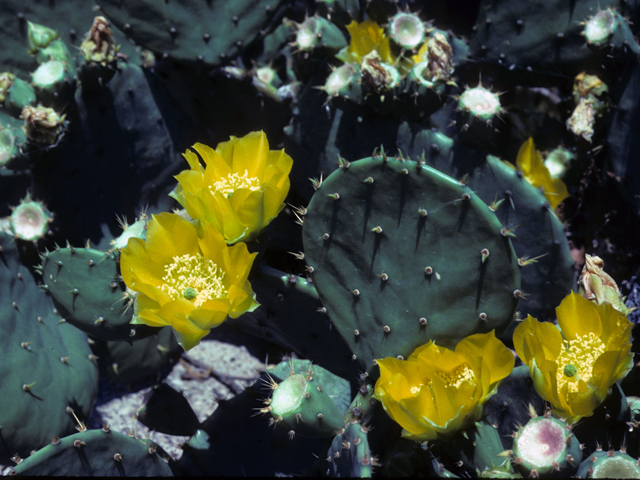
<point>170,235</point>
<point>578,316</point>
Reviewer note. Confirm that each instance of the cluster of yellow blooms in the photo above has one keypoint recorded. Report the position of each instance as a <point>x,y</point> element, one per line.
<point>436,392</point>
<point>192,274</point>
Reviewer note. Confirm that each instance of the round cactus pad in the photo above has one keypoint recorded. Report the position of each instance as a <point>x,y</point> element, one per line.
<point>402,254</point>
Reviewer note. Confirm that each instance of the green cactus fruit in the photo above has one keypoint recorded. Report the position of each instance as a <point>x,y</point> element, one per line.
<point>48,370</point>
<point>266,81</point>
<point>480,104</point>
<point>95,453</point>
<point>15,94</point>
<point>12,141</point>
<point>402,254</point>
<point>345,81</point>
<point>301,402</point>
<point>609,28</point>
<point>138,229</point>
<point>84,285</point>
<point>316,32</point>
<point>336,387</point>
<point>478,111</point>
<point>54,82</point>
<point>39,37</point>
<point>407,30</point>
<point>45,44</point>
<point>30,220</point>
<point>129,362</point>
<point>545,445</point>
<point>558,161</point>
<point>168,411</point>
<point>43,125</point>
<point>611,464</point>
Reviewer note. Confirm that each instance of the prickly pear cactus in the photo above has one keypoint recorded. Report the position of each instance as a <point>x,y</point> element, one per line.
<point>184,30</point>
<point>94,453</point>
<point>48,365</point>
<point>402,254</point>
<point>83,283</point>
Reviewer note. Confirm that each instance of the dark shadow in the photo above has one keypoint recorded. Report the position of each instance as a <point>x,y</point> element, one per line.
<point>483,272</point>
<point>463,212</point>
<point>419,230</point>
<point>403,196</point>
<point>377,239</point>
<point>368,203</point>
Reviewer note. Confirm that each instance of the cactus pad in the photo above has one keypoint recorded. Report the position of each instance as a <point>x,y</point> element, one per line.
<point>402,254</point>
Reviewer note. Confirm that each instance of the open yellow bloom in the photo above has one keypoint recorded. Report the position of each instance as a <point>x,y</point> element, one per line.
<point>574,369</point>
<point>529,162</point>
<point>437,391</point>
<point>366,37</point>
<point>188,280</point>
<point>242,188</point>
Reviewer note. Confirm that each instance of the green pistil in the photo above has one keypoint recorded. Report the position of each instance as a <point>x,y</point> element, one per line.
<point>190,293</point>
<point>570,370</point>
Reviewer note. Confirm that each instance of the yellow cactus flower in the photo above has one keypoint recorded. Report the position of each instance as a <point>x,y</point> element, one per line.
<point>529,162</point>
<point>436,391</point>
<point>241,189</point>
<point>186,279</point>
<point>366,37</point>
<point>574,369</point>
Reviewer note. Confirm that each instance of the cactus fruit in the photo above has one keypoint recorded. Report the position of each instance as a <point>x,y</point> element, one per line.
<point>478,109</point>
<point>30,220</point>
<point>317,32</point>
<point>609,28</point>
<point>39,37</point>
<point>591,97</point>
<point>98,55</point>
<point>558,161</point>
<point>95,453</point>
<point>545,445</point>
<point>12,142</point>
<point>407,30</point>
<point>345,81</point>
<point>54,82</point>
<point>610,464</point>
<point>402,254</point>
<point>43,125</point>
<point>15,94</point>
<point>138,229</point>
<point>301,402</point>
